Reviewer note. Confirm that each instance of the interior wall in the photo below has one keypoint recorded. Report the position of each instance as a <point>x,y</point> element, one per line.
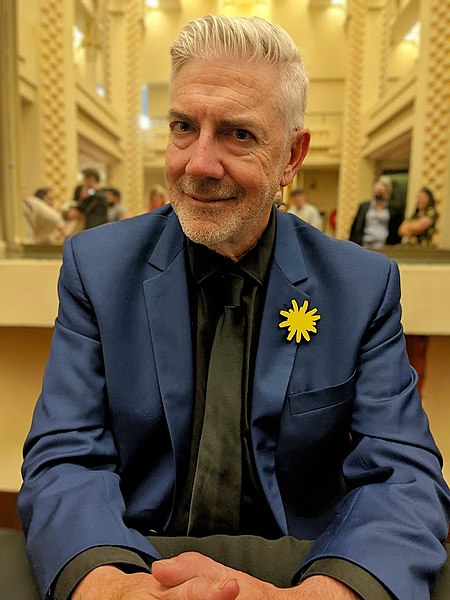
<point>153,177</point>
<point>319,33</point>
<point>25,349</point>
<point>402,60</point>
<point>30,149</point>
<point>23,354</point>
<point>435,392</point>
<point>321,187</point>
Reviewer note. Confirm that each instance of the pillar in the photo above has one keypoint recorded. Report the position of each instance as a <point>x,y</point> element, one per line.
<point>10,194</point>
<point>57,97</point>
<point>430,151</point>
<point>133,144</point>
<point>366,56</point>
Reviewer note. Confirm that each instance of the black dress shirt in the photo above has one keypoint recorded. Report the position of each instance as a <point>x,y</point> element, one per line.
<point>206,305</point>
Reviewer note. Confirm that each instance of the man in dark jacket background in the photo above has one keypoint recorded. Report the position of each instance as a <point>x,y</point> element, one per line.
<point>377,220</point>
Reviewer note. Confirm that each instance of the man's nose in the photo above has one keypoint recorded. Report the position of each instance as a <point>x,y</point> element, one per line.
<point>205,159</point>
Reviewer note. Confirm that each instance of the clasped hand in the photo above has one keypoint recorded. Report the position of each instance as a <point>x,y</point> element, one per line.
<point>192,576</point>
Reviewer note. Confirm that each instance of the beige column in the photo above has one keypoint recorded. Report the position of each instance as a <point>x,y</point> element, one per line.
<point>57,96</point>
<point>364,79</point>
<point>132,81</point>
<point>116,91</point>
<point>10,194</point>
<point>430,152</point>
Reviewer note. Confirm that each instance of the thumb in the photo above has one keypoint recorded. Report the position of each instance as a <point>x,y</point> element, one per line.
<point>181,568</point>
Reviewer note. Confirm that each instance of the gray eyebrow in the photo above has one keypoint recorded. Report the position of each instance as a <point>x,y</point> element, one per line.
<point>226,123</point>
<point>179,115</point>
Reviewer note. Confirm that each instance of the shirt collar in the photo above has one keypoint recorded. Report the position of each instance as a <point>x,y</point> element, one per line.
<point>204,262</point>
<point>373,202</point>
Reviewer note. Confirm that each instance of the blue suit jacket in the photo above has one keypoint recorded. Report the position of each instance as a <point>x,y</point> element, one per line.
<point>341,443</point>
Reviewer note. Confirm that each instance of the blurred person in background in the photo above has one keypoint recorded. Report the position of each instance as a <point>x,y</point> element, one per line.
<point>116,210</point>
<point>89,207</point>
<point>421,225</point>
<point>157,197</point>
<point>377,221</point>
<point>279,202</point>
<point>301,208</point>
<point>44,224</point>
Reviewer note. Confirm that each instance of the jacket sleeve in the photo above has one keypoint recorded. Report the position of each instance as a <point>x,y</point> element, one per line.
<point>71,498</point>
<point>357,228</point>
<point>395,515</point>
<point>84,563</point>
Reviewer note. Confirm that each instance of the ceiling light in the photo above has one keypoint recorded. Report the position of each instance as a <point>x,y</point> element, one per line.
<point>145,122</point>
<point>413,34</point>
<point>77,38</point>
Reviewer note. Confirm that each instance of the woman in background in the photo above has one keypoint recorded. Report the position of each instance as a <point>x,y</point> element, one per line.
<point>420,227</point>
<point>44,223</point>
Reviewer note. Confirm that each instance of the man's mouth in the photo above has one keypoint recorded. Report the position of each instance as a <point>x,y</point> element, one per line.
<point>209,200</point>
<point>207,192</point>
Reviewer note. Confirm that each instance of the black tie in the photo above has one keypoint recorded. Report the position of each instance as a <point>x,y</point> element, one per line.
<point>216,493</point>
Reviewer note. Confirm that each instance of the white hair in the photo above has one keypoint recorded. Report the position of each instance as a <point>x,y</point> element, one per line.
<point>254,40</point>
<point>386,181</point>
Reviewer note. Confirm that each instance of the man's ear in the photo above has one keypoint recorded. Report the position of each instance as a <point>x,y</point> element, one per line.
<point>299,149</point>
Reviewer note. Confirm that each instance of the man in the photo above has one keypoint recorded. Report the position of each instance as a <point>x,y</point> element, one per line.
<point>157,197</point>
<point>90,203</point>
<point>377,221</point>
<point>219,367</point>
<point>300,207</point>
<point>279,202</point>
<point>116,210</point>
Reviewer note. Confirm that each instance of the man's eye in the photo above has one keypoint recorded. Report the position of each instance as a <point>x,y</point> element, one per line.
<point>180,126</point>
<point>242,134</point>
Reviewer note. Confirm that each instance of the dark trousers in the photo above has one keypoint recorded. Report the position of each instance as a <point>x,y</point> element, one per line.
<point>275,561</point>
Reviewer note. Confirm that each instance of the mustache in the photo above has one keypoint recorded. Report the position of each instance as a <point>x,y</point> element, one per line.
<point>210,188</point>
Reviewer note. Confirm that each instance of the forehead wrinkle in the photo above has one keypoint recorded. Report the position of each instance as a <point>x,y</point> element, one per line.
<point>225,74</point>
<point>207,91</point>
<point>205,102</point>
<point>241,108</point>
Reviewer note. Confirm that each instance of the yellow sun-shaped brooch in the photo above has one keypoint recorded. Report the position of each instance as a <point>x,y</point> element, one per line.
<point>300,321</point>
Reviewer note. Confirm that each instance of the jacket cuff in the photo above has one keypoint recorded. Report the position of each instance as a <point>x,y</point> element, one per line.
<point>355,577</point>
<point>74,571</point>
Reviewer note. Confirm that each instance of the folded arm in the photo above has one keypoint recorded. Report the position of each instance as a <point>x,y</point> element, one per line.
<point>192,576</point>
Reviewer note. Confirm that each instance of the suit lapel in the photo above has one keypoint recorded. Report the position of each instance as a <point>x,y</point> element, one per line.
<point>275,358</point>
<point>167,301</point>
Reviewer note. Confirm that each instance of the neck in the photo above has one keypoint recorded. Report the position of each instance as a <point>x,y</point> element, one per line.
<point>235,249</point>
<point>233,252</point>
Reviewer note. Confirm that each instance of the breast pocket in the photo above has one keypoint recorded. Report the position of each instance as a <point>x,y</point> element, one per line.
<point>304,402</point>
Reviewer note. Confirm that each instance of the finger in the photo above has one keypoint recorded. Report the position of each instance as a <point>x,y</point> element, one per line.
<point>202,588</point>
<point>187,566</point>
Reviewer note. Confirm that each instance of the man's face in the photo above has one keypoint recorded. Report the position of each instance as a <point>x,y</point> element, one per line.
<point>50,198</point>
<point>299,200</point>
<point>111,198</point>
<point>380,192</point>
<point>422,200</point>
<point>228,152</point>
<point>90,183</point>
